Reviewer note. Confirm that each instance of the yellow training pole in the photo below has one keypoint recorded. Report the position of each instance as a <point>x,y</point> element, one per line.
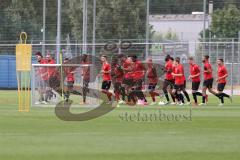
<point>23,68</point>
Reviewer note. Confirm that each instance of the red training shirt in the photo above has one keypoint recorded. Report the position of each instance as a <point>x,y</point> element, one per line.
<point>194,70</point>
<point>206,75</point>
<point>222,71</point>
<point>169,69</point>
<point>152,75</point>
<point>118,72</point>
<point>106,68</point>
<point>179,80</point>
<point>139,70</point>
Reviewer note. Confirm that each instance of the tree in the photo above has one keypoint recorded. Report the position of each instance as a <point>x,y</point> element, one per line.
<point>170,35</point>
<point>21,17</point>
<point>116,19</point>
<point>226,22</point>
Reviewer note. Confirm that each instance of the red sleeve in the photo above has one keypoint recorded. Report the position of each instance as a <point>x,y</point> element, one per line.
<point>209,66</point>
<point>197,68</point>
<point>225,70</point>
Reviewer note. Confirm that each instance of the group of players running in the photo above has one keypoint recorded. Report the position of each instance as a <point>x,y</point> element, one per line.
<point>129,75</point>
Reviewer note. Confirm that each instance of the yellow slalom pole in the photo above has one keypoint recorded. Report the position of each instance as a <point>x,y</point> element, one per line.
<point>23,68</point>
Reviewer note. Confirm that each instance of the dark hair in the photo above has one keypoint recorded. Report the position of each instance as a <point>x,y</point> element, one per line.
<point>206,57</point>
<point>66,59</point>
<point>38,54</point>
<point>84,57</point>
<point>220,59</point>
<point>171,58</point>
<point>191,58</point>
<point>104,56</point>
<point>177,59</point>
<point>167,58</point>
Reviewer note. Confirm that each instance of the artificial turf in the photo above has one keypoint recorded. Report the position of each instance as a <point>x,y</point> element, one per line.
<point>212,133</point>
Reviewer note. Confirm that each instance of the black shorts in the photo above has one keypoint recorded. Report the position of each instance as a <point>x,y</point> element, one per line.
<point>208,83</point>
<point>106,85</point>
<point>128,81</point>
<point>167,83</point>
<point>117,86</point>
<point>185,84</point>
<point>69,84</point>
<point>179,87</point>
<point>152,86</point>
<point>86,83</point>
<point>221,86</point>
<point>195,86</point>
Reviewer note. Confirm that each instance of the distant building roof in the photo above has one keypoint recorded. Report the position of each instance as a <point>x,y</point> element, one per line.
<point>178,17</point>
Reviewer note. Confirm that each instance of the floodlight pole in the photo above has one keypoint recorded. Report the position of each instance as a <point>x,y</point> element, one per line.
<point>44,27</point>
<point>58,32</point>
<point>84,34</point>
<point>94,29</point>
<point>204,20</point>
<point>147,29</point>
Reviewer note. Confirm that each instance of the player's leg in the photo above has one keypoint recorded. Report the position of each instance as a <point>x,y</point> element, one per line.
<point>171,87</point>
<point>195,93</point>
<point>105,89</point>
<point>175,92</point>
<point>185,92</point>
<point>204,92</point>
<point>139,93</point>
<point>153,94</point>
<point>180,95</point>
<point>210,85</point>
<point>123,93</point>
<point>85,90</point>
<point>221,94</point>
<point>165,91</point>
<point>117,90</point>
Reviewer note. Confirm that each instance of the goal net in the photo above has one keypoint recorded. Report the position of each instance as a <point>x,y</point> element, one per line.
<point>52,83</point>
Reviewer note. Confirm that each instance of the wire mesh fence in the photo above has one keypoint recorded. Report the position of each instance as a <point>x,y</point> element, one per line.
<point>228,51</point>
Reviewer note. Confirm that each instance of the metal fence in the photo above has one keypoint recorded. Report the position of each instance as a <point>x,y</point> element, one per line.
<point>229,51</point>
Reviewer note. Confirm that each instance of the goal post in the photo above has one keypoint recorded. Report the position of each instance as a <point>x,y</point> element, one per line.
<point>51,90</point>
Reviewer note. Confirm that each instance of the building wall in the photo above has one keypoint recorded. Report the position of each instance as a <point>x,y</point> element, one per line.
<point>186,30</point>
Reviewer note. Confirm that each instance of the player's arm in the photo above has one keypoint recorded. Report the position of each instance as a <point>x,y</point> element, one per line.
<point>223,77</point>
<point>108,70</point>
<point>207,69</point>
<point>168,69</point>
<point>196,75</point>
<point>177,74</point>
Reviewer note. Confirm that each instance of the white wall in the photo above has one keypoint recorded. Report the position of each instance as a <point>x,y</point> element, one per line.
<point>185,30</point>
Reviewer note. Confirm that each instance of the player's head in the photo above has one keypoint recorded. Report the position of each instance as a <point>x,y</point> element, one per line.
<point>84,58</point>
<point>205,58</point>
<point>104,58</point>
<point>167,58</point>
<point>38,56</point>
<point>129,59</point>
<point>134,58</point>
<point>191,60</point>
<point>48,57</point>
<point>177,61</point>
<point>220,62</point>
<point>115,61</point>
<point>149,62</point>
<point>66,60</point>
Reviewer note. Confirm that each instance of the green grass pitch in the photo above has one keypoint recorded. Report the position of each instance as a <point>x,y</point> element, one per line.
<point>212,134</point>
